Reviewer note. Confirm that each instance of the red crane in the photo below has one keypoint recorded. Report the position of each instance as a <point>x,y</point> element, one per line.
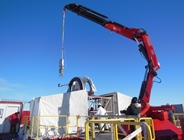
<point>158,113</point>
<point>138,35</point>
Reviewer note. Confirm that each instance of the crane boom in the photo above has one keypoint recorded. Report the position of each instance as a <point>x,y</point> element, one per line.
<point>138,35</point>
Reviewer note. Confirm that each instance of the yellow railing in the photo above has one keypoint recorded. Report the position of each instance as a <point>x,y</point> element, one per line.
<point>176,119</point>
<point>149,127</point>
<point>35,127</point>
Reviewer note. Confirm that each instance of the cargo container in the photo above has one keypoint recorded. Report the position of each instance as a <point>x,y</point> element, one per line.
<point>178,108</point>
<point>6,109</point>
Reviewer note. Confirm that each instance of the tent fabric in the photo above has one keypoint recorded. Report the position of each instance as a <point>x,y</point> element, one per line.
<point>70,104</point>
<point>49,107</point>
<point>120,102</point>
<point>123,101</point>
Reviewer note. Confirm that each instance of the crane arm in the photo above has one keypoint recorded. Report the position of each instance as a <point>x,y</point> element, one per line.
<point>102,20</point>
<point>135,34</point>
<point>138,35</point>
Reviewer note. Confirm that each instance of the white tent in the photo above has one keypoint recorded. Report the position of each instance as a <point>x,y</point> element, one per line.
<point>48,108</point>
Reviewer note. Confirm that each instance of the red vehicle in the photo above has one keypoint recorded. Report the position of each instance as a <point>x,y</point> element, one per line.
<point>164,129</point>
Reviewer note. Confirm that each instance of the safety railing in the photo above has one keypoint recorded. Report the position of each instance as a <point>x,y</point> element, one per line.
<point>142,125</point>
<point>37,130</point>
<point>176,119</point>
<point>149,125</point>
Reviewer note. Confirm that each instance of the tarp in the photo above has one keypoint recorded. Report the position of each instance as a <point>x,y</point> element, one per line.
<point>48,108</point>
<point>123,101</point>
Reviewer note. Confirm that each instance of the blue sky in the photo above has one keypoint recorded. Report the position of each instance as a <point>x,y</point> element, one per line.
<point>30,48</point>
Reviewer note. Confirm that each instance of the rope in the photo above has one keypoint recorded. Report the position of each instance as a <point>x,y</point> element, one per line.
<point>62,47</point>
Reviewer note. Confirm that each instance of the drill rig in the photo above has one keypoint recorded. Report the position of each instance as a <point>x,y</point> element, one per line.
<point>140,36</point>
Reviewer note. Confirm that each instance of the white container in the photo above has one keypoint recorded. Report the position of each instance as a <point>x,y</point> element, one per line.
<point>6,109</point>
